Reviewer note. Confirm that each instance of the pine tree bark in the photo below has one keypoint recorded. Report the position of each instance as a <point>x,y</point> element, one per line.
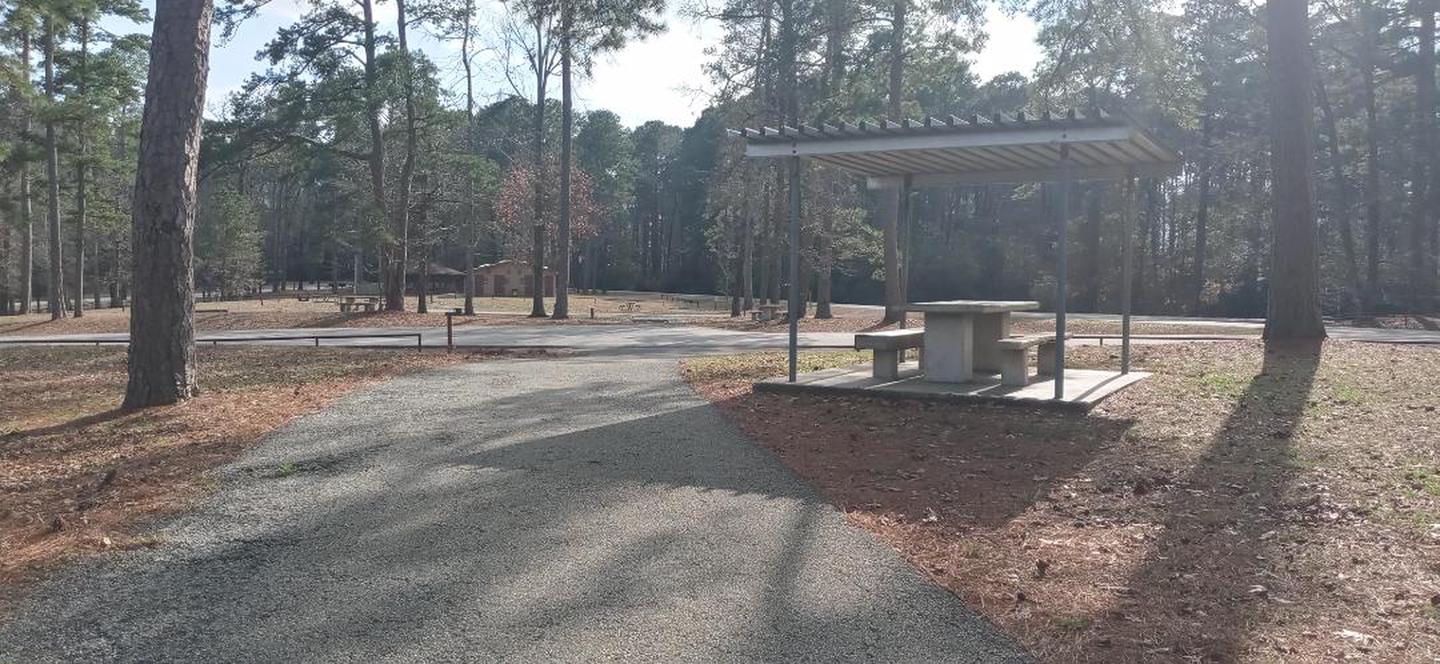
<point>162,332</point>
<point>400,214</point>
<point>392,265</point>
<point>27,218</point>
<point>1425,189</point>
<point>890,198</point>
<point>1342,203</point>
<point>567,121</point>
<point>1294,306</point>
<point>537,250</point>
<point>1370,294</point>
<point>56,299</point>
<point>1202,210</point>
<point>80,175</point>
<point>472,143</point>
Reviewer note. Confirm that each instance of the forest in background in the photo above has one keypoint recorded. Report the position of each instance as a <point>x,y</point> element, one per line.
<point>347,153</point>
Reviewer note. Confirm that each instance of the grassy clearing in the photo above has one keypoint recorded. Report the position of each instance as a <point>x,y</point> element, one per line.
<point>78,475</point>
<point>1238,506</point>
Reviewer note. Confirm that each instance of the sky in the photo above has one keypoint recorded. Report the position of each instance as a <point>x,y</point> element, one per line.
<point>660,78</point>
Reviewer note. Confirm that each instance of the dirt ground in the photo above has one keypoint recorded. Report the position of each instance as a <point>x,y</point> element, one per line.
<point>1238,506</point>
<point>79,475</point>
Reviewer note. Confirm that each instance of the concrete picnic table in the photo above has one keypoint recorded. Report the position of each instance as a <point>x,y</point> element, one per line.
<point>961,336</point>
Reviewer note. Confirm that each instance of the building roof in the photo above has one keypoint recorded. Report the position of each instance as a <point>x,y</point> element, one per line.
<point>975,150</point>
<point>438,270</point>
<point>508,261</point>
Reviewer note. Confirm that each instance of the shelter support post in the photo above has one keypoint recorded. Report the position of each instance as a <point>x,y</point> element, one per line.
<point>1127,259</point>
<point>902,260</point>
<point>1062,245</point>
<point>795,307</point>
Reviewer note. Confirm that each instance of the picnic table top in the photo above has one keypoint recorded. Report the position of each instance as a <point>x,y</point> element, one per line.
<point>972,306</point>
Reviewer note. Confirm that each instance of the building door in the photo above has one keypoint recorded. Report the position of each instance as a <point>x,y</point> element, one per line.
<point>502,286</point>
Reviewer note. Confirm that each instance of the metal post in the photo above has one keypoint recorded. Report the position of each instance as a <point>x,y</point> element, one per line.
<point>1061,267</point>
<point>794,264</point>
<point>903,261</point>
<point>1127,223</point>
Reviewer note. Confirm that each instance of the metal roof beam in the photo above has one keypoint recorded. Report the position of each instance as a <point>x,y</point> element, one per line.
<point>897,142</point>
<point>1117,172</point>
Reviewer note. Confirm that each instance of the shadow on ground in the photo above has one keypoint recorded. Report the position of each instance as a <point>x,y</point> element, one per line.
<point>518,511</point>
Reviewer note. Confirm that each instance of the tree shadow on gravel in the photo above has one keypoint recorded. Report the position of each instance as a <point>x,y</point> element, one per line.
<point>544,525</point>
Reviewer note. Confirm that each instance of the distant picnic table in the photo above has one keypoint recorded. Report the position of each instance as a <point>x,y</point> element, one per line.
<point>353,303</point>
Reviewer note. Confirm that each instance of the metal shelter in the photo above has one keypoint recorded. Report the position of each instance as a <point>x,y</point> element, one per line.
<point>1000,149</point>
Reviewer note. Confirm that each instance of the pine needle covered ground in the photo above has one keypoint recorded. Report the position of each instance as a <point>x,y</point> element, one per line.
<point>1239,505</point>
<point>78,475</point>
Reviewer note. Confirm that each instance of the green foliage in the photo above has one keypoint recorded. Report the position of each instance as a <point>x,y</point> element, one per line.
<point>227,244</point>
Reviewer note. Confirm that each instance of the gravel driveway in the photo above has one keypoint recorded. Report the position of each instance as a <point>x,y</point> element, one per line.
<point>575,510</point>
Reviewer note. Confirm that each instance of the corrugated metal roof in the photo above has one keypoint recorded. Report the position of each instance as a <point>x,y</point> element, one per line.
<point>978,149</point>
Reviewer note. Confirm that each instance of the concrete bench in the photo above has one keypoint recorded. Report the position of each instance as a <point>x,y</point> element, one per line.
<point>888,345</point>
<point>1014,364</point>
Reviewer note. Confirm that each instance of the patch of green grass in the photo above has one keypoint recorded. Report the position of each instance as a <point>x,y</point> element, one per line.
<point>1421,479</point>
<point>1349,394</point>
<point>286,469</point>
<point>1222,383</point>
<point>1073,623</point>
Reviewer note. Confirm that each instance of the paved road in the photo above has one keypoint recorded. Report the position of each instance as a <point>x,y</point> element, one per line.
<point>578,510</point>
<point>683,339</point>
<point>613,339</point>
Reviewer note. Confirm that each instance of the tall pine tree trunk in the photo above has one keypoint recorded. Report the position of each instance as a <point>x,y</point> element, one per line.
<point>80,174</point>
<point>1342,203</point>
<point>1294,308</point>
<point>567,120</point>
<point>1370,295</point>
<point>400,215</point>
<point>56,298</point>
<point>392,266</point>
<point>1426,187</point>
<point>1202,210</point>
<point>471,142</point>
<point>537,249</point>
<point>162,332</point>
<point>27,218</point>
<point>890,197</point>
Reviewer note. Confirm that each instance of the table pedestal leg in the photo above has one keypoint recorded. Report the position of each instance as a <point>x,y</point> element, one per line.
<point>990,328</point>
<point>949,348</point>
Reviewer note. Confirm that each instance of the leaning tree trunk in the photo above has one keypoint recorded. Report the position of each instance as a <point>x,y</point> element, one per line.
<point>56,298</point>
<point>162,332</point>
<point>1294,308</point>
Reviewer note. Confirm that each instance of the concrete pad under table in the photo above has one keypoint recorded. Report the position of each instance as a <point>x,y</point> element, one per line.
<point>1083,387</point>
